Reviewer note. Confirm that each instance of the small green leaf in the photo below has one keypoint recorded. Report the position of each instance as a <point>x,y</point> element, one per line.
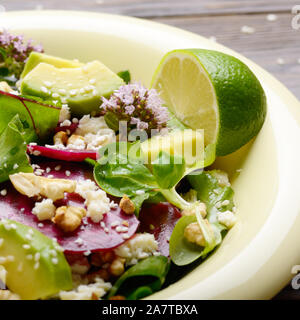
<point>38,119</point>
<point>125,75</point>
<point>142,279</point>
<point>13,157</point>
<point>168,169</point>
<point>118,174</point>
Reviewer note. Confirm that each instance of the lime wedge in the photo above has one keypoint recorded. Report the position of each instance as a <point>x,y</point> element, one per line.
<point>213,91</point>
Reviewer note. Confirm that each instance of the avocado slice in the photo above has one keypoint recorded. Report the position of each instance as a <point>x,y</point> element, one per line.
<point>187,143</point>
<point>81,88</point>
<point>36,267</point>
<point>36,57</point>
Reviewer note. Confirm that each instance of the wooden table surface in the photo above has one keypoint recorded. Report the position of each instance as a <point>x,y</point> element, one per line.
<point>273,45</point>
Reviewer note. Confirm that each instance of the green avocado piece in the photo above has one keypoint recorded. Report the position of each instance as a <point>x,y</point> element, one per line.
<point>81,88</point>
<point>36,267</point>
<point>35,58</point>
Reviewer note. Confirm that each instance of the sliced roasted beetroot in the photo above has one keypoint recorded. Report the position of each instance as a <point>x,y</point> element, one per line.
<point>66,155</point>
<point>89,236</point>
<point>71,128</point>
<point>159,219</point>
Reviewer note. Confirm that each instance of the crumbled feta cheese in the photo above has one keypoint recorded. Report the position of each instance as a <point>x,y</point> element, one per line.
<point>89,124</point>
<point>44,210</point>
<point>222,178</point>
<point>87,291</point>
<point>141,246</point>
<point>227,218</point>
<point>66,123</point>
<point>64,113</point>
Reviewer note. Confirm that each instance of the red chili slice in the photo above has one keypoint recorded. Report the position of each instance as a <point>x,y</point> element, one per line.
<point>159,219</point>
<point>95,238</point>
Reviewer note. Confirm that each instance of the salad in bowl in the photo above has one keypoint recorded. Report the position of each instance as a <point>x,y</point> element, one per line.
<point>107,186</point>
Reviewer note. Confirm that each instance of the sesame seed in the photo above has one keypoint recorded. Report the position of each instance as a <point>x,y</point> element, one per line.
<point>29,257</point>
<point>37,256</point>
<point>272,17</point>
<point>87,253</point>
<point>57,168</point>
<point>125,236</point>
<point>79,241</point>
<point>2,260</point>
<point>50,176</point>
<point>36,153</point>
<point>280,61</point>
<point>26,246</point>
<point>48,84</point>
<point>16,166</point>
<point>53,253</point>
<point>44,89</point>
<point>106,230</point>
<point>28,237</point>
<point>22,209</point>
<point>102,224</point>
<point>54,260</point>
<point>68,173</point>
<point>73,92</point>
<point>36,266</point>
<point>225,203</point>
<point>48,169</point>
<point>115,223</point>
<point>5,165</point>
<point>62,91</point>
<point>3,192</point>
<point>247,29</point>
<point>140,192</point>
<point>40,225</point>
<point>75,120</point>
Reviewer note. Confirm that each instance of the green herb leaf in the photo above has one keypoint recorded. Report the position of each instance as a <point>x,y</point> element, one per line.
<point>38,119</point>
<point>168,169</point>
<point>118,174</point>
<point>13,157</point>
<point>125,75</point>
<point>142,279</point>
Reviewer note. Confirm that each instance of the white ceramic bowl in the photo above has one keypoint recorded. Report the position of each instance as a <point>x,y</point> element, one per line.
<point>257,255</point>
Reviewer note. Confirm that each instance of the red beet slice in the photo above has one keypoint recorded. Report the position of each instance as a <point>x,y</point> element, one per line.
<point>66,155</point>
<point>72,128</point>
<point>18,207</point>
<point>159,219</point>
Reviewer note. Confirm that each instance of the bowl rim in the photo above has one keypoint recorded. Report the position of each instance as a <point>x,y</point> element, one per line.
<point>285,250</point>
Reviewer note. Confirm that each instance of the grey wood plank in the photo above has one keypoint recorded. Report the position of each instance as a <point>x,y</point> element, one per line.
<point>270,41</point>
<point>157,8</point>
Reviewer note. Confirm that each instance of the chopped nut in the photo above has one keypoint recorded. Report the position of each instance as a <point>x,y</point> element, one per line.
<point>4,86</point>
<point>68,218</point>
<point>96,259</point>
<point>127,205</point>
<point>108,256</point>
<point>60,137</point>
<point>191,210</point>
<point>76,141</point>
<point>32,185</point>
<point>8,295</point>
<point>193,233</point>
<point>102,273</point>
<point>117,267</point>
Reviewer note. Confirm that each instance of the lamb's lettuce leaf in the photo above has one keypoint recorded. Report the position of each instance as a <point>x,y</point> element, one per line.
<point>13,157</point>
<point>38,118</point>
<point>142,279</point>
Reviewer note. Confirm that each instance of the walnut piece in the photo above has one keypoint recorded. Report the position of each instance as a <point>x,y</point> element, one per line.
<point>190,211</point>
<point>193,233</point>
<point>68,219</point>
<point>60,137</point>
<point>117,268</point>
<point>76,141</point>
<point>31,185</point>
<point>127,205</point>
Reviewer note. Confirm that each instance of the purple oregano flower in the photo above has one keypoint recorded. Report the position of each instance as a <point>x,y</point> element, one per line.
<point>14,52</point>
<point>140,107</point>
